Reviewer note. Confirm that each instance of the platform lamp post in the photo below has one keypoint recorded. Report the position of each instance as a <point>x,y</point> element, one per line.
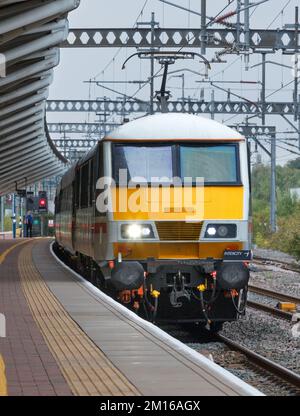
<point>2,213</point>
<point>21,215</point>
<point>14,219</point>
<point>25,209</point>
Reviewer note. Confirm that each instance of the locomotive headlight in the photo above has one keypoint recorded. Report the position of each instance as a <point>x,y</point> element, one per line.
<point>211,231</point>
<point>146,231</point>
<point>136,231</point>
<point>221,231</point>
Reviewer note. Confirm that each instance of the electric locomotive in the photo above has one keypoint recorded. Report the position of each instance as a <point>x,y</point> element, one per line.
<point>158,215</point>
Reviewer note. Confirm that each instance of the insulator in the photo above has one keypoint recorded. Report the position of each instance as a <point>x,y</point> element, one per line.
<point>224,17</point>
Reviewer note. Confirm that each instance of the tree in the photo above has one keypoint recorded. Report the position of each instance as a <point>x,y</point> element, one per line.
<point>294,164</point>
<point>287,238</point>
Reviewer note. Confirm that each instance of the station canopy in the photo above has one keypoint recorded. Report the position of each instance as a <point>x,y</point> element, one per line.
<point>30,34</point>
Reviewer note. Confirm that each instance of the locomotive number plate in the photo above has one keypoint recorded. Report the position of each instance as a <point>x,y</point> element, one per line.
<point>237,255</point>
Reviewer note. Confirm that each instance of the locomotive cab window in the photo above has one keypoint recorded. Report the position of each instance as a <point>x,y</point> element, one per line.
<point>215,163</point>
<point>218,164</point>
<point>143,161</point>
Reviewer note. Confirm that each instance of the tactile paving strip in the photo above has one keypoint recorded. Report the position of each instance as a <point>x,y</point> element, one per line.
<point>84,366</point>
<point>3,384</point>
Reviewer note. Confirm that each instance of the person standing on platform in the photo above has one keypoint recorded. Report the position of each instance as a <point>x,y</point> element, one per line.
<point>29,222</point>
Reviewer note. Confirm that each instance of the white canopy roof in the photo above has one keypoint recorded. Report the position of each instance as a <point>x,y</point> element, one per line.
<point>30,32</point>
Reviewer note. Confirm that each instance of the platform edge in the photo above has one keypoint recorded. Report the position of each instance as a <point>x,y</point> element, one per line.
<point>184,350</point>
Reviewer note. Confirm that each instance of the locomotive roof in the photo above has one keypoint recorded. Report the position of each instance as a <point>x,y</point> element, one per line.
<point>174,126</point>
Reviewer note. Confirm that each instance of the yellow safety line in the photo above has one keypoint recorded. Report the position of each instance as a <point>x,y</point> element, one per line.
<point>85,367</point>
<point>3,382</point>
<point>11,248</point>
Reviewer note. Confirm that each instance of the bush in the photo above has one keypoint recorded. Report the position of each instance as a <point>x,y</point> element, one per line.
<point>294,246</point>
<point>287,237</point>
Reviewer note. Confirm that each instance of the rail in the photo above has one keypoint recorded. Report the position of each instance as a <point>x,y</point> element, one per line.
<point>275,369</point>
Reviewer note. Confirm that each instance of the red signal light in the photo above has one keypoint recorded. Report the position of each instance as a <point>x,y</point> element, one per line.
<point>42,202</point>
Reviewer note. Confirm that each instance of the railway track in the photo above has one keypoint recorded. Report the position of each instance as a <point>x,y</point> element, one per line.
<point>279,263</point>
<point>278,296</point>
<point>289,379</point>
<point>269,309</point>
<point>273,294</point>
<point>263,373</point>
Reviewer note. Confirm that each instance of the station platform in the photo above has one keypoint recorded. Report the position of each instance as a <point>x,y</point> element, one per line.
<point>64,337</point>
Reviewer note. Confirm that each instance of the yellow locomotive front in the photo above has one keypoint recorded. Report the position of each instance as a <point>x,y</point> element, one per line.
<point>179,217</point>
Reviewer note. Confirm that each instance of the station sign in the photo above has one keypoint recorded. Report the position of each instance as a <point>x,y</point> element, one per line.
<point>21,193</point>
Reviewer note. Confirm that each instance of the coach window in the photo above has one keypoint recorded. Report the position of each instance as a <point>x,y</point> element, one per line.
<point>100,167</point>
<point>84,186</point>
<point>91,183</point>
<point>64,201</point>
<point>77,189</point>
<point>69,202</point>
<point>63,197</point>
<point>58,203</point>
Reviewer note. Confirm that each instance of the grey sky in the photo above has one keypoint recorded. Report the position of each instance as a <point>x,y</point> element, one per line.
<point>78,65</point>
